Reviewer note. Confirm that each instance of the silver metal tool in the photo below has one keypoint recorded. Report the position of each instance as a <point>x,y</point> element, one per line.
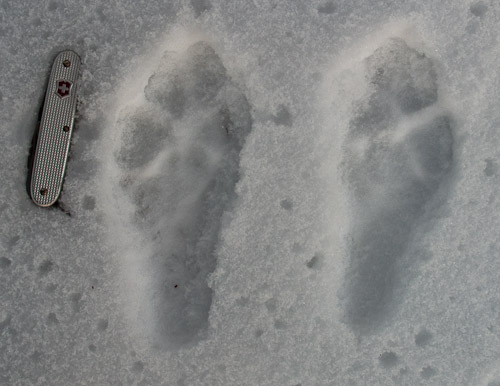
<point>56,127</point>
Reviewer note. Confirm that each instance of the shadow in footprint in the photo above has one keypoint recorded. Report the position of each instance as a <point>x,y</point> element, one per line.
<point>180,162</point>
<point>393,174</point>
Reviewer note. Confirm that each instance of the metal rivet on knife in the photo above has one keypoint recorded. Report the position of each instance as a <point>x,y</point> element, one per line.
<point>66,63</point>
<point>44,191</point>
<point>66,128</point>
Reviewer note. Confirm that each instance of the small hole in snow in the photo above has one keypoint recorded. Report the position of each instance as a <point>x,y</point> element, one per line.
<point>388,359</point>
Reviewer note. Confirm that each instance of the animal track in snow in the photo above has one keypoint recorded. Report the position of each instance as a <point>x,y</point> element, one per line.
<point>179,163</point>
<point>396,156</point>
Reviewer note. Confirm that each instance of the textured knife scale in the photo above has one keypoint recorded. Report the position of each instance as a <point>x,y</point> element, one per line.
<point>56,127</point>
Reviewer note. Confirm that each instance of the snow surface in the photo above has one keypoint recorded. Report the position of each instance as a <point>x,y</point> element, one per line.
<point>258,193</point>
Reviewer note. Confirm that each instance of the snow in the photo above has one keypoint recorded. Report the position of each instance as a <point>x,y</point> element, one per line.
<point>258,193</point>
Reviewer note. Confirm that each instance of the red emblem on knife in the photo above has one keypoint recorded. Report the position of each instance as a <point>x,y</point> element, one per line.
<point>63,88</point>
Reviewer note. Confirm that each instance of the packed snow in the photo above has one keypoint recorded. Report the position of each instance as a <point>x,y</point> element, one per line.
<point>258,193</point>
